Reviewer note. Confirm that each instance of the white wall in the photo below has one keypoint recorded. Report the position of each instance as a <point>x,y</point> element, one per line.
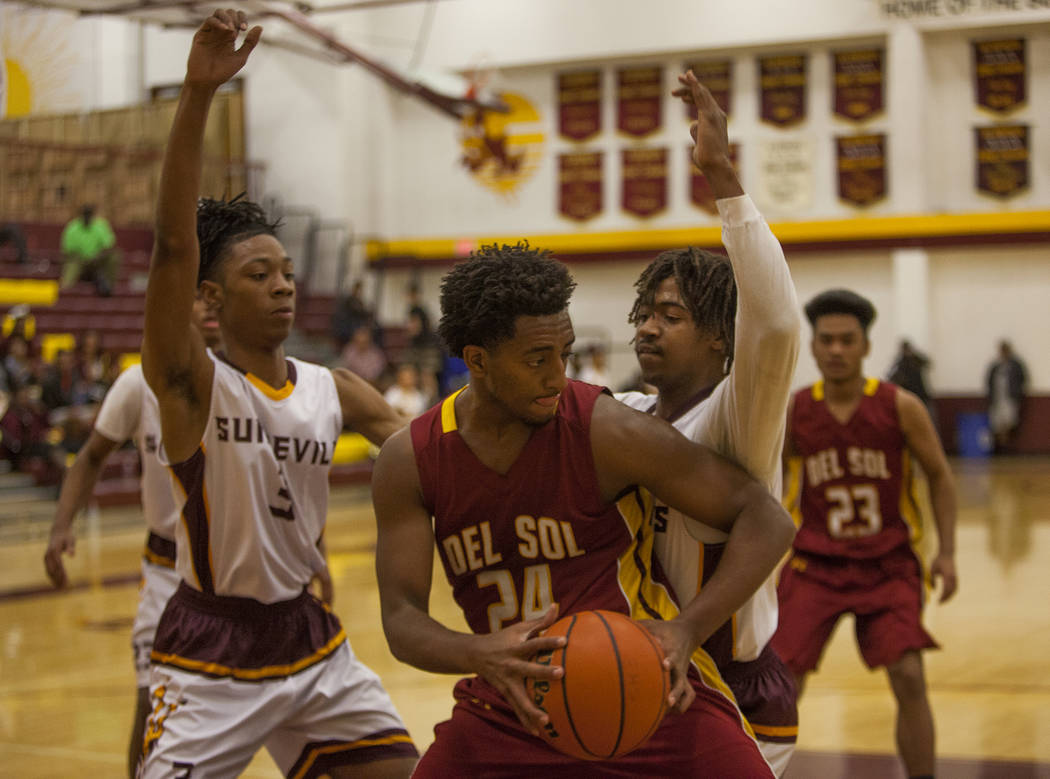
<point>336,140</point>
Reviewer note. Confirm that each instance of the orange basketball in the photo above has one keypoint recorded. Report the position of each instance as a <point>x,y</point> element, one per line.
<point>613,695</point>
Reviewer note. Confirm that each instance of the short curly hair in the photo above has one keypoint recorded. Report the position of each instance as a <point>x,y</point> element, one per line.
<point>222,223</point>
<point>482,297</point>
<point>707,286</point>
<point>841,301</point>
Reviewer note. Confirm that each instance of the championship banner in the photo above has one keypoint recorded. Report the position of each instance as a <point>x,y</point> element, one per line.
<point>644,174</point>
<point>1002,159</point>
<point>861,168</point>
<point>580,185</point>
<point>717,76</point>
<point>639,93</point>
<point>999,77</point>
<point>580,104</point>
<point>858,93</point>
<point>785,175</point>
<point>699,189</point>
<point>782,86</point>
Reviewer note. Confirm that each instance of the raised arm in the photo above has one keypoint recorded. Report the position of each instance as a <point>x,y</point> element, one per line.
<point>404,567</point>
<point>632,448</point>
<point>174,359</point>
<point>768,324</point>
<point>77,487</point>
<point>364,410</point>
<point>921,438</point>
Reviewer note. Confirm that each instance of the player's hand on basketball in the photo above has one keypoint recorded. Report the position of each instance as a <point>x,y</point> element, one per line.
<point>709,131</point>
<point>214,56</point>
<point>677,642</point>
<point>62,542</point>
<point>506,661</point>
<point>943,568</point>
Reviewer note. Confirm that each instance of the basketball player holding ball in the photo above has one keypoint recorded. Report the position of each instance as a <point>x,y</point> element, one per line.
<point>535,490</point>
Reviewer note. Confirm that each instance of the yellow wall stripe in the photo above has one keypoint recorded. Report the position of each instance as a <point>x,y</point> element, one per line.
<point>819,231</point>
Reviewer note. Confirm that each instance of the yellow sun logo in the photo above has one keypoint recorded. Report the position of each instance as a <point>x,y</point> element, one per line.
<point>503,150</point>
<point>39,63</point>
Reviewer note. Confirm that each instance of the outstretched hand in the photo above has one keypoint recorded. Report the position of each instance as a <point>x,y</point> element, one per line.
<point>709,131</point>
<point>505,661</point>
<point>214,56</point>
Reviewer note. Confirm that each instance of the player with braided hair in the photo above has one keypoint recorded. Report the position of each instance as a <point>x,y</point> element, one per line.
<point>719,337</point>
<point>244,656</point>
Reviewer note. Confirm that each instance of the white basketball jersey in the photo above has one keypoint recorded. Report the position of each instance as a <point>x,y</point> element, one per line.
<point>680,547</point>
<point>256,491</point>
<point>130,411</point>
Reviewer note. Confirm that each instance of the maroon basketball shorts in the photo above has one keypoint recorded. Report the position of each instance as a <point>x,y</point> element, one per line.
<point>485,739</point>
<point>884,594</point>
<point>766,693</point>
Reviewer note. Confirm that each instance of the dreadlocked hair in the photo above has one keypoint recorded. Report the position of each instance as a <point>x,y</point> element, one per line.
<point>841,301</point>
<point>222,223</point>
<point>482,297</point>
<point>707,286</point>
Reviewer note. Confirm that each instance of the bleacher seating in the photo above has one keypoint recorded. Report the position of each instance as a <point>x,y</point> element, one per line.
<point>119,321</point>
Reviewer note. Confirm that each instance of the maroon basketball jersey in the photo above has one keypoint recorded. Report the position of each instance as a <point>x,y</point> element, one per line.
<point>850,487</point>
<point>513,544</point>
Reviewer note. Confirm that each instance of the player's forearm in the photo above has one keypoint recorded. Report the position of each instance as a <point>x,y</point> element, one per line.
<point>176,219</point>
<point>722,179</point>
<point>419,640</point>
<point>760,537</point>
<point>942,496</point>
<point>76,490</point>
<point>766,298</point>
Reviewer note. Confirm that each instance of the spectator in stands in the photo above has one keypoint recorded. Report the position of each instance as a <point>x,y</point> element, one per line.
<point>96,365</point>
<point>405,395</point>
<point>24,436</point>
<point>350,313</point>
<point>595,369</point>
<point>416,307</point>
<point>363,357</point>
<point>89,250</point>
<point>64,385</point>
<point>11,233</point>
<point>19,364</point>
<point>423,348</point>
<point>909,371</point>
<point>1006,381</point>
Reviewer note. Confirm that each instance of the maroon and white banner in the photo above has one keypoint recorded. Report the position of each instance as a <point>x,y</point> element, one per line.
<point>580,104</point>
<point>580,185</point>
<point>1003,156</point>
<point>699,189</point>
<point>639,96</point>
<point>999,77</point>
<point>861,168</point>
<point>644,174</point>
<point>859,79</point>
<point>717,76</point>
<point>782,89</point>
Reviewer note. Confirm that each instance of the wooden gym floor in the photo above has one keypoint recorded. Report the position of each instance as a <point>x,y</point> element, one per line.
<point>67,684</point>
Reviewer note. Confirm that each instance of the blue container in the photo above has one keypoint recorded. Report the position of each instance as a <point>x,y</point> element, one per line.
<point>972,435</point>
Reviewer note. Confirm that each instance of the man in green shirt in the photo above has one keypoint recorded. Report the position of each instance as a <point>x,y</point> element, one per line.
<point>89,250</point>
